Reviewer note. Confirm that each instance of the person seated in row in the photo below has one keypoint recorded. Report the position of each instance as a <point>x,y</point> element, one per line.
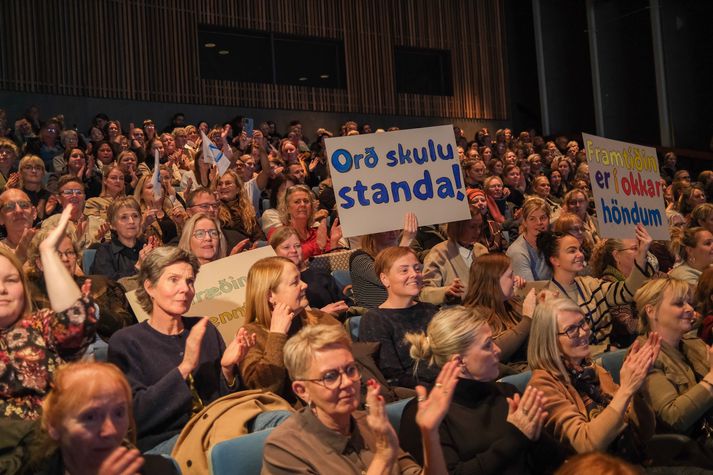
<point>114,310</point>
<point>401,274</point>
<point>329,435</point>
<point>322,289</point>
<point>509,438</point>
<point>112,188</point>
<point>88,426</point>
<point>694,248</point>
<point>594,296</point>
<point>175,365</point>
<point>679,386</point>
<point>18,215</point>
<point>122,255</point>
<point>202,236</point>
<point>235,200</point>
<point>492,286</point>
<point>369,292</point>
<point>527,259</point>
<point>276,307</point>
<point>156,211</point>
<point>34,343</point>
<point>586,410</point>
<point>445,268</point>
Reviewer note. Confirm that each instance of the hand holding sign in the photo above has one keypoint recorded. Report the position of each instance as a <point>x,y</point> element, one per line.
<point>410,230</point>
<point>644,241</point>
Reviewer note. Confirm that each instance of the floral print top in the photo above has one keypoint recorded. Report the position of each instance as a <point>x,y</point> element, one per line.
<point>34,347</point>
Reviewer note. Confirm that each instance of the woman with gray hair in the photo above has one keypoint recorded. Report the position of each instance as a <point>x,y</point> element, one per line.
<point>175,365</point>
<point>330,435</point>
<point>587,410</point>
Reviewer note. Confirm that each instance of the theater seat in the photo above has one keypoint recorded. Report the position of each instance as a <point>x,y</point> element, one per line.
<point>88,259</point>
<point>612,362</point>
<point>395,410</point>
<point>241,455</point>
<point>519,380</point>
<point>352,326</point>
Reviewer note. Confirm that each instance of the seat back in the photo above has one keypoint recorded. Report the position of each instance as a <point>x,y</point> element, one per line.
<point>352,326</point>
<point>241,455</point>
<point>612,361</point>
<point>88,259</point>
<point>519,380</point>
<point>395,410</point>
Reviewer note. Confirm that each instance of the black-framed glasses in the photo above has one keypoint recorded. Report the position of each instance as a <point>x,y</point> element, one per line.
<point>68,254</point>
<point>573,331</point>
<point>332,379</point>
<point>202,233</point>
<point>10,206</point>
<point>71,192</point>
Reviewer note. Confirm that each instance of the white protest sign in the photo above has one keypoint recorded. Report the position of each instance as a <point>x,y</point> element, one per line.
<point>378,178</point>
<point>220,292</point>
<point>627,188</point>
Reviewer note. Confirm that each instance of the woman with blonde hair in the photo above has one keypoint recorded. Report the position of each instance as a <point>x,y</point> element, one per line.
<point>276,307</point>
<point>299,211</point>
<point>156,213</point>
<point>112,187</point>
<point>694,248</point>
<point>492,286</point>
<point>577,202</point>
<point>587,411</point>
<point>203,237</point>
<point>527,260</point>
<point>509,437</point>
<point>88,426</point>
<point>679,387</point>
<point>326,377</point>
<point>232,194</point>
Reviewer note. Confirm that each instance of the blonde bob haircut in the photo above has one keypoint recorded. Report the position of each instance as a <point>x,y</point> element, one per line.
<point>73,385</point>
<point>543,351</point>
<point>112,212</point>
<point>190,226</point>
<point>532,204</point>
<point>451,332</point>
<point>264,277</point>
<point>650,295</point>
<point>300,349</point>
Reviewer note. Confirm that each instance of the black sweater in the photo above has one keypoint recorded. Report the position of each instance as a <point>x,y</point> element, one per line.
<point>388,326</point>
<point>476,437</point>
<point>162,398</point>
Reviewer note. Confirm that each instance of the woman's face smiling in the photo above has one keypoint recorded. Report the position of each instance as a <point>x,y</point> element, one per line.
<point>404,278</point>
<point>674,314</point>
<point>575,349</point>
<point>569,255</point>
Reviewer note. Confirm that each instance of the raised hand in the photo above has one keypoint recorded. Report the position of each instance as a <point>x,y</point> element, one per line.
<point>51,204</point>
<point>322,235</point>
<point>281,318</point>
<point>644,239</point>
<point>636,366</point>
<point>434,407</point>
<point>192,351</point>
<point>410,229</point>
<point>236,351</point>
<point>122,461</point>
<point>13,180</point>
<point>528,413</point>
<point>55,236</point>
<point>455,289</point>
<point>529,304</point>
<point>387,443</point>
<point>240,247</point>
<point>335,233</point>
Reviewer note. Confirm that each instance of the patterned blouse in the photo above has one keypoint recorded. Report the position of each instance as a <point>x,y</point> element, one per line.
<point>33,348</point>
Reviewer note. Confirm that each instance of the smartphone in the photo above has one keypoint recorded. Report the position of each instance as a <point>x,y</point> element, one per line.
<point>248,125</point>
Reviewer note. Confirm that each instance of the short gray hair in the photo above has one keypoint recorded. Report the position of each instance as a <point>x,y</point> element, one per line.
<point>299,350</point>
<point>153,266</point>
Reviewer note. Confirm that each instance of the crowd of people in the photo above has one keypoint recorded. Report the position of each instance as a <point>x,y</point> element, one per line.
<point>526,284</point>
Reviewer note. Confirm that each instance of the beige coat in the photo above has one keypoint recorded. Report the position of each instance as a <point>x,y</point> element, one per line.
<point>441,266</point>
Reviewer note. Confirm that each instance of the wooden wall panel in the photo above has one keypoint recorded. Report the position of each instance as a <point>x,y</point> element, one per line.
<point>148,50</point>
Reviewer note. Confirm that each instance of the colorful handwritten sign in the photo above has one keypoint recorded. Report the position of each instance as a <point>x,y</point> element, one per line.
<point>378,178</point>
<point>627,187</point>
<point>220,292</point>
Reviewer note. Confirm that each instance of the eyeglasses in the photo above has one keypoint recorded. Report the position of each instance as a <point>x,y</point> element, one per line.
<point>207,206</point>
<point>68,254</point>
<point>201,233</point>
<point>72,192</point>
<point>572,331</point>
<point>332,379</point>
<point>10,206</point>
<point>33,168</point>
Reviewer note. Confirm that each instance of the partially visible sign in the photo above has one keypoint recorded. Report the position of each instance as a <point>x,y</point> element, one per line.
<point>220,292</point>
<point>627,187</point>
